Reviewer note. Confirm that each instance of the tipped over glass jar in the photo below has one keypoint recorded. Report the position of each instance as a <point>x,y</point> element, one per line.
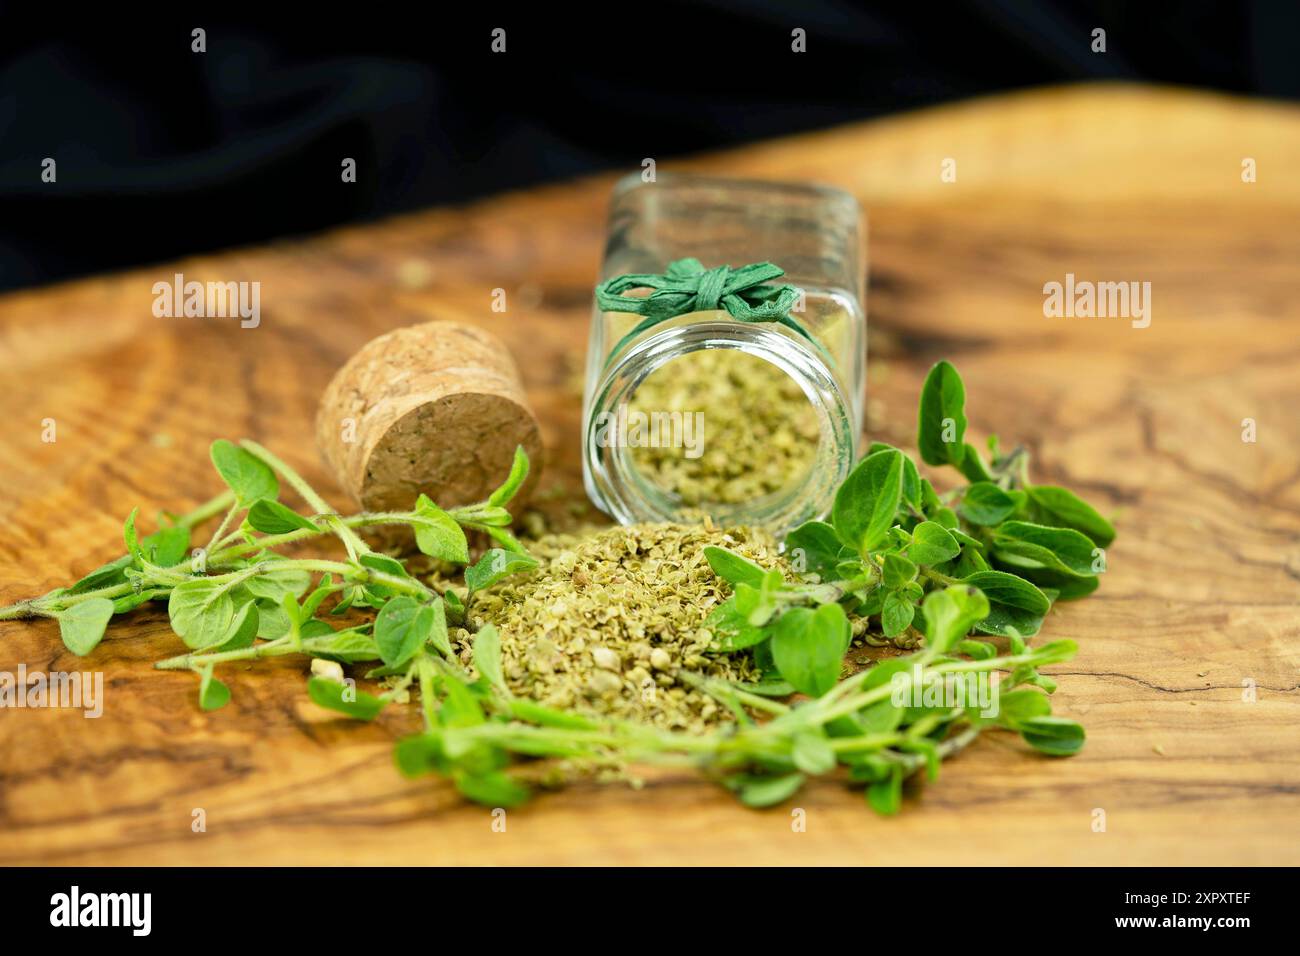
<point>727,352</point>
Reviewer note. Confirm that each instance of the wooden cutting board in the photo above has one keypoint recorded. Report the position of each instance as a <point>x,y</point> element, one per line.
<point>1108,183</point>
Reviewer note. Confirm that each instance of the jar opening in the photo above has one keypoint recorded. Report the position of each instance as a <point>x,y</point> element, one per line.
<point>734,420</point>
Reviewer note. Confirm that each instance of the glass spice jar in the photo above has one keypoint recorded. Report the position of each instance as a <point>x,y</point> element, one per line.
<point>725,409</point>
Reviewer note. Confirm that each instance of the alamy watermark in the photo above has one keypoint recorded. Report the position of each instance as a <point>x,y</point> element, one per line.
<point>212,300</point>
<point>59,689</point>
<point>913,689</point>
<point>1085,299</point>
<point>624,428</point>
<point>130,910</point>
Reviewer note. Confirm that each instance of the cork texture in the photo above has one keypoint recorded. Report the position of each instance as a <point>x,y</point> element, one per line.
<point>435,408</point>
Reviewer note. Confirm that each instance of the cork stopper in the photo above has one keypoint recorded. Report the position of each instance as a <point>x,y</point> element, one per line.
<point>435,408</point>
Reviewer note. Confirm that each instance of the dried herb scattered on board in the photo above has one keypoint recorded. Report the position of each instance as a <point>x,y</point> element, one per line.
<point>967,576</point>
<point>613,617</point>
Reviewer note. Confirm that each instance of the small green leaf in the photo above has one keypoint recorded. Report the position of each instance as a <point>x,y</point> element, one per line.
<point>896,615</point>
<point>460,708</point>
<point>1059,549</point>
<point>165,548</point>
<point>978,650</point>
<point>1055,736</point>
<point>104,576</point>
<point>733,568</point>
<point>1003,588</point>
<point>984,503</point>
<point>913,493</point>
<point>812,753</point>
<point>814,548</point>
<point>731,629</point>
<point>492,789</point>
<point>386,565</point>
<point>438,635</point>
<point>316,628</point>
<point>213,694</point>
<point>274,583</point>
<point>808,647</point>
<point>867,502</point>
<point>420,754</point>
<point>344,698</point>
<point>346,647</point>
<point>897,571</point>
<point>130,602</point>
<point>497,565</point>
<point>1014,603</point>
<point>882,717</point>
<point>248,477</point>
<point>202,613</point>
<point>453,607</point>
<point>313,601</point>
<point>932,544</point>
<point>401,628</point>
<point>1018,706</point>
<point>518,474</point>
<point>243,632</point>
<point>1062,508</point>
<point>272,622</point>
<point>759,792</point>
<point>941,422</point>
<point>271,517</point>
<point>83,624</point>
<point>950,614</point>
<point>490,516</point>
<point>487,657</point>
<point>131,538</point>
<point>972,465</point>
<point>437,534</point>
<point>886,794</point>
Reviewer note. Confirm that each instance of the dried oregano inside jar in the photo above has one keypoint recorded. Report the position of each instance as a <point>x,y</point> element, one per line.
<point>746,428</point>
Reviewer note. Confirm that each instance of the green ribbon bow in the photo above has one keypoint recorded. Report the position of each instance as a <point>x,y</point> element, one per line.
<point>686,286</point>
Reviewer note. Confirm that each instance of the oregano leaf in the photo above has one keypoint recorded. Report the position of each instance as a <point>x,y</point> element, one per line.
<point>867,502</point>
<point>437,534</point>
<point>941,422</point>
<point>932,544</point>
<point>248,477</point>
<point>83,624</point>
<point>518,475</point>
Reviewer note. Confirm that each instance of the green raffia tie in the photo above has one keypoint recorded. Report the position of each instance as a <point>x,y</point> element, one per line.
<point>686,286</point>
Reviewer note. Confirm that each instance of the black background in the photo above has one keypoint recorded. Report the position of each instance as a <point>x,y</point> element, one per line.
<point>162,151</point>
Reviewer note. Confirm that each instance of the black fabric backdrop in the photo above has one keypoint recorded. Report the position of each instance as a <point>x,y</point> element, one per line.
<point>162,151</point>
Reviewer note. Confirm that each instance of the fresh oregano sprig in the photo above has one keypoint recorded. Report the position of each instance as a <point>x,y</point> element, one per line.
<point>237,598</point>
<point>892,539</point>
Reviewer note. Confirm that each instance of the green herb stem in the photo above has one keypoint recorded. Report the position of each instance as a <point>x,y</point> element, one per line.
<point>272,541</point>
<point>221,528</point>
<point>209,509</point>
<point>306,491</point>
<point>276,648</point>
